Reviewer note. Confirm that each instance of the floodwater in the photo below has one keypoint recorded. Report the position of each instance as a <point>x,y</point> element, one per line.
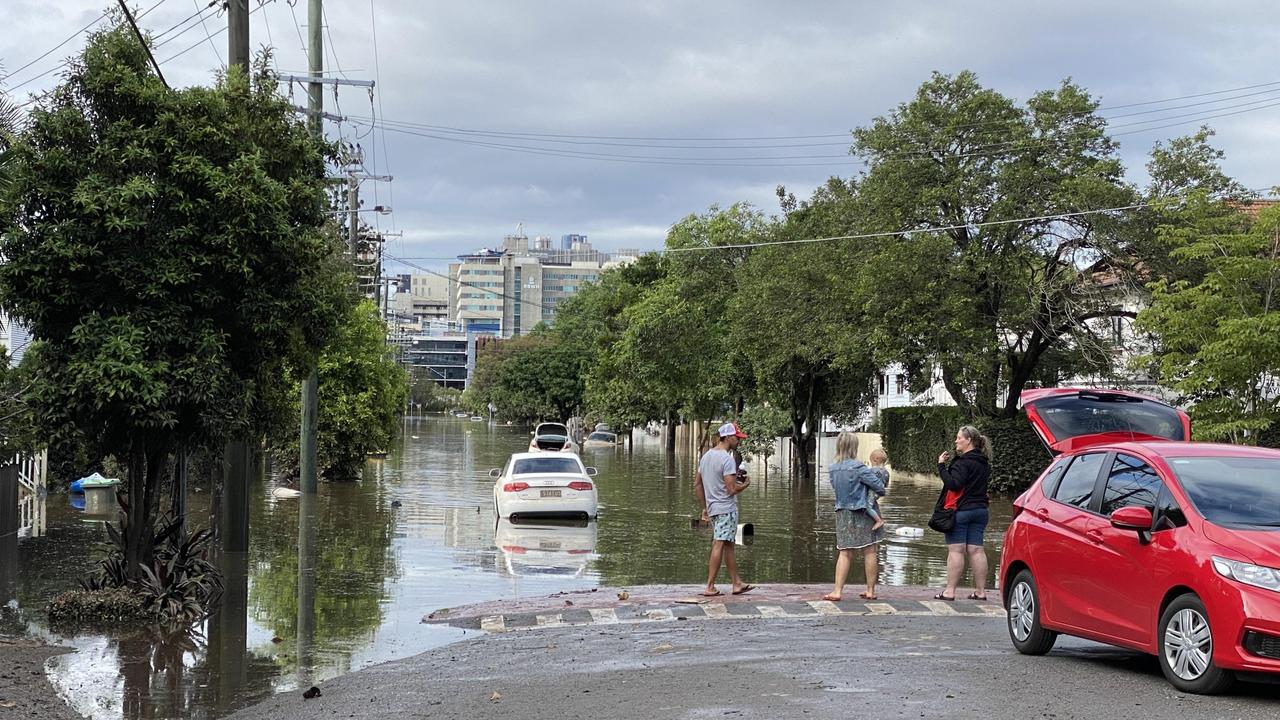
<point>417,535</point>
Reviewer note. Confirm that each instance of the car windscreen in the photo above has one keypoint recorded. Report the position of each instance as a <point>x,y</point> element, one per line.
<point>552,429</point>
<point>606,437</point>
<point>529,466</point>
<point>1071,416</point>
<point>1242,492</point>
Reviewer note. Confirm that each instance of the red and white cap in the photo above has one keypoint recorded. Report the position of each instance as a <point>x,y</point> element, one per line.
<point>728,429</point>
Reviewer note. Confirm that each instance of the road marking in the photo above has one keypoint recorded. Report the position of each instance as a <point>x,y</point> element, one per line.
<point>771,611</point>
<point>493,623</point>
<point>881,609</point>
<point>992,610</point>
<point>661,614</point>
<point>550,620</point>
<point>604,616</point>
<point>716,611</point>
<point>825,607</point>
<point>939,607</point>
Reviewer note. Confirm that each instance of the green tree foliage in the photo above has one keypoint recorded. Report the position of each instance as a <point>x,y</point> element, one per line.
<point>364,391</point>
<point>1218,336</point>
<point>985,302</point>
<point>530,378</point>
<point>797,317</point>
<point>168,248</point>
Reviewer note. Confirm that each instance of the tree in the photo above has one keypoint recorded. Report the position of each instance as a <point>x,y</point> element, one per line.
<point>797,317</point>
<point>364,391</point>
<point>984,276</point>
<point>170,251</point>
<point>10,121</point>
<point>529,378</point>
<point>1218,337</point>
<point>675,354</point>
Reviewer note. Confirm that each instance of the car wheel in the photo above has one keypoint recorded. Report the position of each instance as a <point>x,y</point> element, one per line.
<point>1023,603</point>
<point>1186,649</point>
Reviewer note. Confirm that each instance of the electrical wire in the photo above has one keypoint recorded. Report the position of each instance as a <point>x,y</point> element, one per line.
<point>209,37</point>
<point>55,48</point>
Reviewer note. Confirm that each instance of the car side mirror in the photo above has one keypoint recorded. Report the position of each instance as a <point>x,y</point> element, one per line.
<point>592,472</point>
<point>495,473</point>
<point>1137,519</point>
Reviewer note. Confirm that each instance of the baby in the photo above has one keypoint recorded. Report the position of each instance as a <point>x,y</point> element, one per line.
<point>879,459</point>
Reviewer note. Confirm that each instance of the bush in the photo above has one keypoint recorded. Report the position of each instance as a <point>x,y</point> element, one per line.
<point>913,437</point>
<point>104,608</point>
<point>1018,454</point>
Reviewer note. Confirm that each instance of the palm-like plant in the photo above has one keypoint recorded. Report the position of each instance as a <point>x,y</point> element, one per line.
<point>10,117</point>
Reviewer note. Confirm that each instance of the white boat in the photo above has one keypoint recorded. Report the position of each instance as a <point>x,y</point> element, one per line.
<point>542,484</point>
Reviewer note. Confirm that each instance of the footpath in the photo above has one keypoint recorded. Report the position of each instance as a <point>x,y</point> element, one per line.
<point>777,652</point>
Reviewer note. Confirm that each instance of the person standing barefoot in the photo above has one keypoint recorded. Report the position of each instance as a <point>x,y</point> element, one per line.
<point>857,531</point>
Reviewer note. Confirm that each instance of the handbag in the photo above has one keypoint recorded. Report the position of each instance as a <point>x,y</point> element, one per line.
<point>943,519</point>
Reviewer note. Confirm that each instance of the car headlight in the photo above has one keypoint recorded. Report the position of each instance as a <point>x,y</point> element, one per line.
<point>1247,573</point>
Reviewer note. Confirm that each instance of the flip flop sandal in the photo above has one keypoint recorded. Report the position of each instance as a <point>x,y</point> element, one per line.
<point>976,596</point>
<point>745,589</point>
<point>865,596</point>
<point>714,594</point>
<point>940,596</point>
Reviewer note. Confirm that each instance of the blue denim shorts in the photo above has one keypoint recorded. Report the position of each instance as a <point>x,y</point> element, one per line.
<point>970,525</point>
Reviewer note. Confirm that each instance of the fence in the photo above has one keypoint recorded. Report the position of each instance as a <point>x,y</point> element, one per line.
<point>32,491</point>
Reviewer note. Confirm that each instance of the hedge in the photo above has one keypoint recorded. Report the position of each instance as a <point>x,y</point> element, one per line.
<point>914,436</point>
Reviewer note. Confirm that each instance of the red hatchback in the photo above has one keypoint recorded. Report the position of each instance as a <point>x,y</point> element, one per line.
<point>1136,537</point>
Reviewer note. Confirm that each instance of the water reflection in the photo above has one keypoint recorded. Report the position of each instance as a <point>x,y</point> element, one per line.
<point>564,549</point>
<point>343,579</point>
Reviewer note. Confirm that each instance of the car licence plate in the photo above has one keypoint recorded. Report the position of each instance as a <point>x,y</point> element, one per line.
<point>550,493</point>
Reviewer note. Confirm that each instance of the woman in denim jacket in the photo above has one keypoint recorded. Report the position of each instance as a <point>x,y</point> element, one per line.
<point>854,484</point>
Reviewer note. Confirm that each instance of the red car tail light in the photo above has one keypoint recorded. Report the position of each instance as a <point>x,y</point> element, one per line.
<point>515,549</point>
<point>580,485</point>
<point>515,487</point>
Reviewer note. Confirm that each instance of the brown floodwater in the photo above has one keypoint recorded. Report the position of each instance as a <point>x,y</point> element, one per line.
<point>416,535</point>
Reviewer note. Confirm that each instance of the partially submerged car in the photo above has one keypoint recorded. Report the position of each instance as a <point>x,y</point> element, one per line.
<point>552,437</point>
<point>545,485</point>
<point>601,439</point>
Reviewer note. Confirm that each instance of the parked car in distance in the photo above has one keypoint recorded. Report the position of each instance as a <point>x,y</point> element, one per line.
<point>552,437</point>
<point>600,439</point>
<point>1136,537</point>
<point>544,485</point>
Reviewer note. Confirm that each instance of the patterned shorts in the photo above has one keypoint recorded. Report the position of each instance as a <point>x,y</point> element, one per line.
<point>726,526</point>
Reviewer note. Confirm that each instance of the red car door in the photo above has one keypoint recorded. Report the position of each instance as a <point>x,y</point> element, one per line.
<point>1059,544</point>
<point>1128,575</point>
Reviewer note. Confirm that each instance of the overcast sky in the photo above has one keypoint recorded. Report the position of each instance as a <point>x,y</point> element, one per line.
<point>709,69</point>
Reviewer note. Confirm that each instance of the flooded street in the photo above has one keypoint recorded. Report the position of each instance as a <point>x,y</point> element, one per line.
<point>418,534</point>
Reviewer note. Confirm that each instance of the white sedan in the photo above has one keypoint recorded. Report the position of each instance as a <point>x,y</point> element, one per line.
<point>540,484</point>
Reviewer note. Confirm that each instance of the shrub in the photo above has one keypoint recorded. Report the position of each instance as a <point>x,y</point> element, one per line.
<point>914,436</point>
<point>107,607</point>
<point>1018,454</point>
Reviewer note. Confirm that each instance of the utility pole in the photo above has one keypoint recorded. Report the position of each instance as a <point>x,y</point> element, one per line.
<point>236,456</point>
<point>310,386</point>
<point>353,215</point>
<point>238,34</point>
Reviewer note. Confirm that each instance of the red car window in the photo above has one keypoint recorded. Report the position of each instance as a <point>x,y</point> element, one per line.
<point>1079,481</point>
<point>1131,482</point>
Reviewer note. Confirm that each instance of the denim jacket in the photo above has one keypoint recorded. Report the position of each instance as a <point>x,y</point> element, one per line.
<point>854,483</point>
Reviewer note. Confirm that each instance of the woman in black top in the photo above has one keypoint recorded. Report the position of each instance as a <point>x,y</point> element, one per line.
<point>967,474</point>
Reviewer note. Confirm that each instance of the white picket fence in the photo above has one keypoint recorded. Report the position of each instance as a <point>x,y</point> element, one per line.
<point>33,476</point>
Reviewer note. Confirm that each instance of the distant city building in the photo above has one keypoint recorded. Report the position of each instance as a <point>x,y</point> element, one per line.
<point>506,292</point>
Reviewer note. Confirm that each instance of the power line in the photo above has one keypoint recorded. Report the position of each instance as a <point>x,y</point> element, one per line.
<point>208,36</point>
<point>893,233</point>
<point>464,283</point>
<point>55,48</point>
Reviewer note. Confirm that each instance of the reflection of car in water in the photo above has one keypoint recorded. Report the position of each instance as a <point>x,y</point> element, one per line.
<point>546,548</point>
<point>552,437</point>
<point>540,484</point>
<point>600,439</point>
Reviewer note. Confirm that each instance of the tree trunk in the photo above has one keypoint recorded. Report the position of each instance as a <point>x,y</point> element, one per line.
<point>671,432</point>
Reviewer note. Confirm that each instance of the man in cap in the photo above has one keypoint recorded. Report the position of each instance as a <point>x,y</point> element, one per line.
<point>718,487</point>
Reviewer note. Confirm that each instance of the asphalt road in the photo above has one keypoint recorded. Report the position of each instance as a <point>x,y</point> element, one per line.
<point>875,666</point>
